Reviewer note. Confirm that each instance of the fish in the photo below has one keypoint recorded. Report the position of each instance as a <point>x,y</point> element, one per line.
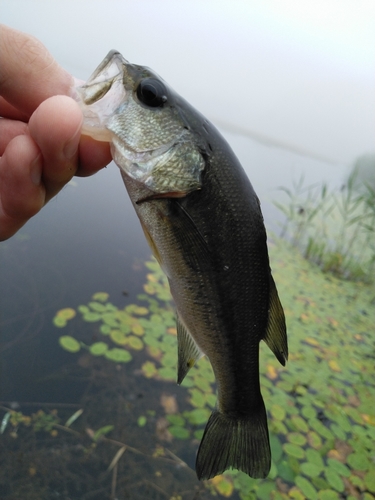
<point>203,222</point>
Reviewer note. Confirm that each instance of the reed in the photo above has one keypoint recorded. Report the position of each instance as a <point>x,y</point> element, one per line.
<point>333,228</point>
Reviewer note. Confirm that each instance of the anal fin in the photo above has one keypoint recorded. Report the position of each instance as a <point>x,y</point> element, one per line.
<point>188,351</point>
<point>275,336</point>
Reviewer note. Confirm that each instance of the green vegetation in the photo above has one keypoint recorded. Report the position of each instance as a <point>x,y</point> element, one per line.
<point>321,411</point>
<point>333,229</point>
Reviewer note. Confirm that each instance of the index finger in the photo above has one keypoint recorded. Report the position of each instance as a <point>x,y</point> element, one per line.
<point>28,72</point>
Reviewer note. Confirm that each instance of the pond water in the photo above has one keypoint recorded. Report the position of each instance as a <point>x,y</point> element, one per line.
<point>84,255</point>
<point>88,241</point>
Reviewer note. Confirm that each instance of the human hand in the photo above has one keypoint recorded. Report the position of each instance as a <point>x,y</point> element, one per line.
<point>41,146</point>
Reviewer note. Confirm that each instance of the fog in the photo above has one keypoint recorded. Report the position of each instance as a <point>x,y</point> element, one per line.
<point>296,74</point>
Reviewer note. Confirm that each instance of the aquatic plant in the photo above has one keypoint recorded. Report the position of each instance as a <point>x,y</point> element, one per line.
<point>334,229</point>
<point>321,412</point>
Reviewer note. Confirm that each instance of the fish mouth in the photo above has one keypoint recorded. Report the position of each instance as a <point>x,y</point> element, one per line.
<point>101,96</point>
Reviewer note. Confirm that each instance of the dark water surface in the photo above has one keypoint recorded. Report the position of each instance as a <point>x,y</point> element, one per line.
<point>88,239</point>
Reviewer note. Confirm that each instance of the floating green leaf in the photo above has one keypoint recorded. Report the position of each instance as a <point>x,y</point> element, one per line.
<point>306,487</point>
<point>141,311</point>
<point>199,434</point>
<point>135,343</point>
<point>149,369</point>
<point>69,343</point>
<point>358,461</point>
<point>168,374</point>
<point>176,420</point>
<point>369,480</point>
<point>310,469</point>
<point>101,296</point>
<point>299,423</point>
<point>59,321</point>
<point>198,416</point>
<point>276,448</point>
<point>197,398</point>
<point>334,480</point>
<point>91,317</point>
<point>179,432</point>
<point>339,467</point>
<point>315,457</point>
<point>67,313</point>
<point>265,490</point>
<point>98,349</point>
<point>294,450</point>
<point>142,421</point>
<point>118,355</point>
<point>285,471</point>
<point>97,307</point>
<point>118,337</point>
<point>278,412</point>
<point>328,495</point>
<point>295,438</point>
<point>314,439</point>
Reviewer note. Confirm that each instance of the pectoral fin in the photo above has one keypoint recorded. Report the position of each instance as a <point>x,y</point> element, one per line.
<point>188,351</point>
<point>275,337</point>
<point>152,245</point>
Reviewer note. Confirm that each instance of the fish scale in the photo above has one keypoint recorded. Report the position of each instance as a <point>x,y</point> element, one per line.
<point>203,222</point>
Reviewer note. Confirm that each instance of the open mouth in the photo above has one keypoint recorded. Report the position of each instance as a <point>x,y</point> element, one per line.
<point>101,96</point>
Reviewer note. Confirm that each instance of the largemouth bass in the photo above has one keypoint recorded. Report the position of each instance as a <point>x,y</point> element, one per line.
<point>203,222</point>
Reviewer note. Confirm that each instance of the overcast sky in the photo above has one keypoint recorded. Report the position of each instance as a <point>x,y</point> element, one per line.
<point>300,72</point>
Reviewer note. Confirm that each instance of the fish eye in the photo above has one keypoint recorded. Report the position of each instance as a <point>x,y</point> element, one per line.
<point>151,92</point>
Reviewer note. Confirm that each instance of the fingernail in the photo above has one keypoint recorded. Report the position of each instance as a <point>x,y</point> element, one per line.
<point>36,170</point>
<point>71,146</point>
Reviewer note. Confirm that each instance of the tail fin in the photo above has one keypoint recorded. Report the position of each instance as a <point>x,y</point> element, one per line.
<point>241,443</point>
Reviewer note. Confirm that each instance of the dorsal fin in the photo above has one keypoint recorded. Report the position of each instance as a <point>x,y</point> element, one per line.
<point>275,336</point>
<point>188,351</point>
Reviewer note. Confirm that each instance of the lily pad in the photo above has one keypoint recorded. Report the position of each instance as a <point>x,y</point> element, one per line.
<point>265,490</point>
<point>135,343</point>
<point>198,416</point>
<point>223,486</point>
<point>167,373</point>
<point>69,343</point>
<point>339,467</point>
<point>311,470</point>
<point>67,313</point>
<point>306,487</point>
<point>358,461</point>
<point>296,438</point>
<point>334,480</point>
<point>118,355</point>
<point>369,480</point>
<point>328,495</point>
<point>278,412</point>
<point>149,369</point>
<point>101,296</point>
<point>59,321</point>
<point>176,420</point>
<point>118,337</point>
<point>179,432</point>
<point>98,349</point>
<point>276,448</point>
<point>294,450</point>
<point>197,398</point>
<point>141,421</point>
